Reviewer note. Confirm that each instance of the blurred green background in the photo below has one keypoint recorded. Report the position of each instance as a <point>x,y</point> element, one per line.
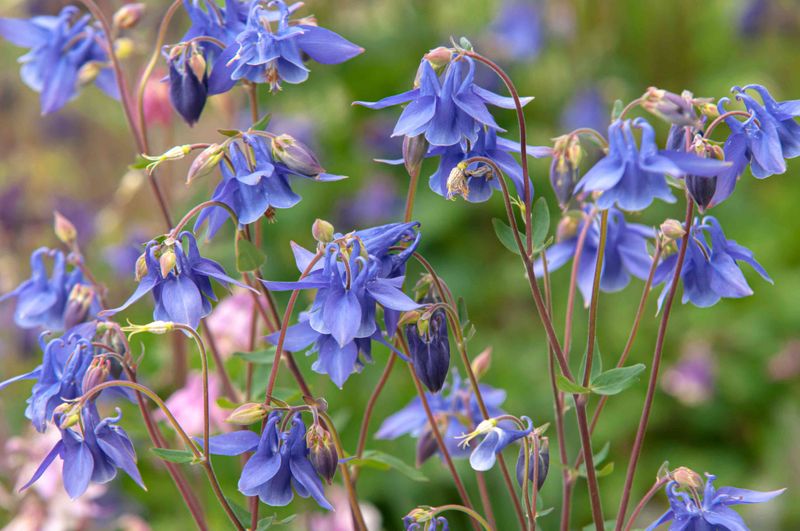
<point>742,424</point>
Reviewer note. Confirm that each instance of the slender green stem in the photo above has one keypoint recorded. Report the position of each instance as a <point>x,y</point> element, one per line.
<point>197,209</point>
<point>573,279</point>
<point>647,497</point>
<point>598,271</point>
<point>252,92</point>
<point>466,510</point>
<point>719,119</point>
<point>358,517</point>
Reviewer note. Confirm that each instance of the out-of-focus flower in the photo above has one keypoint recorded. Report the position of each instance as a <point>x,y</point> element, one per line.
<point>586,108</point>
<point>157,109</point>
<point>688,512</point>
<point>229,322</point>
<point>340,519</point>
<point>186,405</point>
<point>64,50</point>
<point>376,202</point>
<point>785,365</point>
<point>517,30</point>
<point>691,380</point>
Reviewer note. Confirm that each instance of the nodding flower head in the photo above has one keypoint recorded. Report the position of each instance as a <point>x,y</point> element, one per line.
<point>424,518</point>
<point>188,80</point>
<point>430,349</point>
<point>497,437</point>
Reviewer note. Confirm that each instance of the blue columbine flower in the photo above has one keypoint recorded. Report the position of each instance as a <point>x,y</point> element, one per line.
<point>430,350</point>
<point>710,270</point>
<point>60,46</point>
<point>451,407</point>
<point>357,272</point>
<point>253,180</point>
<point>517,30</point>
<point>688,513</point>
<point>543,466</point>
<point>45,302</point>
<point>625,255</point>
<point>497,438</point>
<point>262,53</point>
<point>188,81</point>
<point>279,461</point>
<point>445,110</point>
<point>415,519</point>
<point>632,176</point>
<point>183,292</point>
<point>93,454</point>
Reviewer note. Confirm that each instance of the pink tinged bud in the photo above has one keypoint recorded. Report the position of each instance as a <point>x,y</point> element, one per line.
<point>686,477</point>
<point>97,373</point>
<point>439,57</point>
<point>567,155</point>
<point>141,267</point>
<point>64,229</point>
<point>672,229</point>
<point>197,63</point>
<point>167,261</point>
<point>296,156</point>
<point>322,452</point>
<point>128,16</point>
<point>414,150</point>
<point>78,304</point>
<point>205,162</point>
<point>482,362</point>
<point>247,414</point>
<point>322,231</point>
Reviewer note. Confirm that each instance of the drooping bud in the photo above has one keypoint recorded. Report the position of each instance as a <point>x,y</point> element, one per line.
<point>79,301</point>
<point>322,452</point>
<point>141,268</point>
<point>296,156</point>
<point>64,229</point>
<point>97,373</point>
<point>438,57</point>
<point>188,81</point>
<point>430,349</point>
<point>567,154</point>
<point>457,181</point>
<point>207,160</point>
<point>686,477</point>
<point>702,189</point>
<point>672,229</point>
<point>426,447</point>
<point>322,231</point>
<point>482,362</point>
<point>167,261</point>
<point>414,150</point>
<point>156,327</point>
<point>128,16</point>
<point>247,414</point>
<point>671,107</point>
<point>544,463</point>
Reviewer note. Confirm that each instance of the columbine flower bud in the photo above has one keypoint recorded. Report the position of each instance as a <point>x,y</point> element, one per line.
<point>296,156</point>
<point>70,413</point>
<point>78,304</point>
<point>207,160</point>
<point>128,16</point>
<point>702,189</point>
<point>686,477</point>
<point>247,414</point>
<point>97,373</point>
<point>671,107</point>
<point>482,362</point>
<point>414,150</point>
<point>188,81</point>
<point>427,446</point>
<point>64,229</point>
<point>672,229</point>
<point>567,154</point>
<point>457,181</point>
<point>322,452</point>
<point>544,463</point>
<point>156,327</point>
<point>322,231</point>
<point>438,57</point>
<point>167,261</point>
<point>141,268</point>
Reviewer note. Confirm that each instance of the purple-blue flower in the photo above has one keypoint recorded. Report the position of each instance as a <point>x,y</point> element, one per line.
<point>451,407</point>
<point>93,454</point>
<point>271,49</point>
<point>497,438</point>
<point>445,109</point>
<point>279,462</point>
<point>517,30</point>
<point>711,268</point>
<point>188,81</point>
<point>60,47</point>
<point>56,302</point>
<point>631,177</point>
<point>253,180</point>
<point>412,522</point>
<point>689,513</point>
<point>356,273</point>
<point>183,293</point>
<point>430,350</point>
<point>625,255</point>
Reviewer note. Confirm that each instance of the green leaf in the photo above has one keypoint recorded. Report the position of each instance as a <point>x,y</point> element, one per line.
<point>570,387</point>
<point>464,42</point>
<point>382,461</point>
<point>269,521</point>
<point>262,124</point>
<point>260,357</point>
<point>597,363</point>
<point>541,222</point>
<point>615,381</point>
<point>174,456</point>
<point>242,514</point>
<point>229,132</point>
<point>140,163</point>
<point>606,470</point>
<point>248,256</point>
<point>617,110</point>
<point>505,235</point>
<point>600,456</point>
<point>226,403</point>
<point>538,249</point>
<point>463,315</point>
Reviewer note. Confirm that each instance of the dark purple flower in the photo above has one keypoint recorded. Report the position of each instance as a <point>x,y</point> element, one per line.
<point>188,81</point>
<point>430,350</point>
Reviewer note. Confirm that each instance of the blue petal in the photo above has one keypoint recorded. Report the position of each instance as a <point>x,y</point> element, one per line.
<point>233,443</point>
<point>182,300</point>
<point>498,101</point>
<point>325,46</point>
<point>734,496</point>
<point>342,313</point>
<point>45,464</point>
<point>485,455</point>
<point>78,467</point>
<point>390,297</point>
<point>390,101</point>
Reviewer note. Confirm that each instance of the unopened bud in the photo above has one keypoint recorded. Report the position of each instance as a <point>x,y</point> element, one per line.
<point>567,155</point>
<point>97,373</point>
<point>247,414</point>
<point>322,231</point>
<point>673,108</point>
<point>427,446</point>
<point>410,317</point>
<point>141,267</point>
<point>710,110</point>
<point>70,413</point>
<point>457,181</point>
<point>207,160</point>
<point>197,64</point>
<point>124,47</point>
<point>686,477</point>
<point>156,327</point>
<point>482,362</point>
<point>128,16</point>
<point>322,452</point>
<point>296,156</point>
<point>439,57</point>
<point>89,72</point>
<point>64,229</point>
<point>167,261</point>
<point>79,301</point>
<point>414,150</point>
<point>672,229</point>
<point>543,465</point>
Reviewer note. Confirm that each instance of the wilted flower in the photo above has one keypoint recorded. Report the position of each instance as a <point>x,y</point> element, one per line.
<point>60,46</point>
<point>279,460</point>
<point>713,512</point>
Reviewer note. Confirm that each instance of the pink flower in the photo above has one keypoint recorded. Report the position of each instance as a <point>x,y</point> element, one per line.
<point>691,380</point>
<point>230,323</point>
<point>157,109</point>
<point>340,519</point>
<point>187,405</point>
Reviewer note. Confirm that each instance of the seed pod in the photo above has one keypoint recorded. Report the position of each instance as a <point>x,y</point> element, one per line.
<point>322,452</point>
